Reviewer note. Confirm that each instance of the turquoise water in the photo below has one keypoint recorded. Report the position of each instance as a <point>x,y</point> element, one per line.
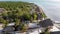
<point>50,7</point>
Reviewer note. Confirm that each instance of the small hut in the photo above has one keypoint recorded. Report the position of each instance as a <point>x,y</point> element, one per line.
<point>48,23</point>
<point>8,29</point>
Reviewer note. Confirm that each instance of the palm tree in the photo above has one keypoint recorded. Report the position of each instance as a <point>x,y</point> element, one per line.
<point>4,13</point>
<point>17,22</point>
<point>5,22</point>
<point>34,16</point>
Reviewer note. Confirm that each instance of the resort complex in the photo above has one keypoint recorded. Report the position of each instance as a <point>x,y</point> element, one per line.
<point>25,18</point>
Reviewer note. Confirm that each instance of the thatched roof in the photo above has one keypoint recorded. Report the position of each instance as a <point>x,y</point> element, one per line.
<point>57,32</point>
<point>8,29</point>
<point>46,23</point>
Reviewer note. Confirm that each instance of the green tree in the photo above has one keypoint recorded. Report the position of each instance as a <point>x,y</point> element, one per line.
<point>27,16</point>
<point>34,16</point>
<point>5,22</point>
<point>17,22</point>
<point>20,12</point>
<point>9,13</point>
<point>24,28</point>
<point>4,13</point>
<point>1,20</point>
<point>43,15</point>
<point>47,31</point>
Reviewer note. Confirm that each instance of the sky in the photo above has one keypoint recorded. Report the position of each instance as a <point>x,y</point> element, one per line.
<point>50,7</point>
<point>32,0</point>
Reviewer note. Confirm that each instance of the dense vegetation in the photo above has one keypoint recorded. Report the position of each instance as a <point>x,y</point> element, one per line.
<point>17,12</point>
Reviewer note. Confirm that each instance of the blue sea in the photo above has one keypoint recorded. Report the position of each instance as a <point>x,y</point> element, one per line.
<point>50,7</point>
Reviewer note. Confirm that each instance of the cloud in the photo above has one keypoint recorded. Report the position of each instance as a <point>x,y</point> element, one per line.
<point>50,0</point>
<point>53,0</point>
